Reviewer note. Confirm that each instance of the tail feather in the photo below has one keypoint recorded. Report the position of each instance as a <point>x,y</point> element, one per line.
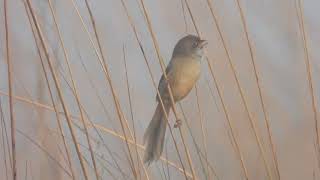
<point>155,134</point>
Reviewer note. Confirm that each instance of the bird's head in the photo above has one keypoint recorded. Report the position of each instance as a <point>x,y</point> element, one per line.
<point>189,45</point>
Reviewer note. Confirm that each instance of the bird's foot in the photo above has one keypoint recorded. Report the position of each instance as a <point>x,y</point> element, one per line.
<point>178,123</point>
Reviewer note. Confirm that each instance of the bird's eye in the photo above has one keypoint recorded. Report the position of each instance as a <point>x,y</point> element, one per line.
<point>195,44</point>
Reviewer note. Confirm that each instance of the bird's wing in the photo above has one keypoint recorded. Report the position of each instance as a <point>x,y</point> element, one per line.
<point>162,87</point>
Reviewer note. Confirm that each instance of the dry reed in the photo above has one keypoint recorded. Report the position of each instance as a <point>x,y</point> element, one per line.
<point>57,84</point>
<point>44,150</point>
<point>130,104</point>
<point>100,127</point>
<point>127,135</point>
<point>3,134</point>
<point>103,63</point>
<point>75,90</point>
<point>51,97</point>
<point>12,118</point>
<point>160,60</point>
<point>220,96</point>
<point>153,81</point>
<point>299,12</point>
<point>266,118</point>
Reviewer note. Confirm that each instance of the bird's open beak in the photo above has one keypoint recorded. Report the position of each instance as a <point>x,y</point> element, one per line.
<point>203,43</point>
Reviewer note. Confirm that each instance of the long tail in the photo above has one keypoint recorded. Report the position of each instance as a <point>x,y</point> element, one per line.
<point>155,133</point>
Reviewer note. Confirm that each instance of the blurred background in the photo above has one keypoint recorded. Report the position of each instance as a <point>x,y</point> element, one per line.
<point>91,65</point>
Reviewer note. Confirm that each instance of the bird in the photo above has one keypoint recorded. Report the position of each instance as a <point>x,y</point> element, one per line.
<point>182,72</point>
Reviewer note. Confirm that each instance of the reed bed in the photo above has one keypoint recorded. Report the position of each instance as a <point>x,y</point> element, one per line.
<point>95,92</point>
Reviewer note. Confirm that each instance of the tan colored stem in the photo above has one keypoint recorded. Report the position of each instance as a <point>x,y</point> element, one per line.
<point>12,119</point>
<point>266,117</point>
<point>100,127</point>
<point>153,83</point>
<point>57,84</point>
<point>232,130</point>
<point>52,99</point>
<point>74,89</point>
<point>309,75</point>
<point>160,60</point>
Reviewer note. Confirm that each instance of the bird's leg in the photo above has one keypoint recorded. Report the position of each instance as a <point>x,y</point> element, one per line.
<point>178,123</point>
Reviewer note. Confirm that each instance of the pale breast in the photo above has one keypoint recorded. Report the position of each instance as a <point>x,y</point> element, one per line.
<point>186,75</point>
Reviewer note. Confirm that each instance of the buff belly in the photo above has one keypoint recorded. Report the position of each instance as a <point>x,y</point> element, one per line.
<point>185,78</point>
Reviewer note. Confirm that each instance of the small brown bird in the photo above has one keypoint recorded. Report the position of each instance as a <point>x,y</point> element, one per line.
<point>182,73</point>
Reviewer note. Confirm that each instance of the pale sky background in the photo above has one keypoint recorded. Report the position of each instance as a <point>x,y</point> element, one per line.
<point>278,51</point>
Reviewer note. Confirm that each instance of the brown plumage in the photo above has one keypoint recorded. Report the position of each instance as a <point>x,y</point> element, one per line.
<point>182,73</point>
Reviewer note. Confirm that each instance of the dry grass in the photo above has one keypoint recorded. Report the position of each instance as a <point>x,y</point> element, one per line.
<point>57,84</point>
<point>52,100</point>
<point>299,9</point>
<point>188,151</point>
<point>12,119</point>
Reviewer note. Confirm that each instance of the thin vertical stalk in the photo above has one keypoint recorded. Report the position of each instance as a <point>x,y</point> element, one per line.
<point>60,151</point>
<point>51,97</point>
<point>31,174</point>
<point>309,71</point>
<point>165,113</point>
<point>105,69</point>
<point>88,122</point>
<point>163,171</point>
<point>211,93</point>
<point>102,55</point>
<point>118,108</point>
<point>160,60</point>
<point>26,174</point>
<point>204,139</point>
<point>93,22</point>
<point>57,84</point>
<point>3,141</point>
<point>184,15</point>
<point>74,88</point>
<point>130,104</point>
<point>107,114</point>
<point>207,171</point>
<point>43,150</point>
<point>199,153</point>
<point>252,124</point>
<point>167,165</point>
<point>266,117</point>
<point>87,149</point>
<point>220,95</point>
<point>227,116</point>
<point>132,142</point>
<point>153,82</point>
<point>12,119</point>
<point>6,133</point>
